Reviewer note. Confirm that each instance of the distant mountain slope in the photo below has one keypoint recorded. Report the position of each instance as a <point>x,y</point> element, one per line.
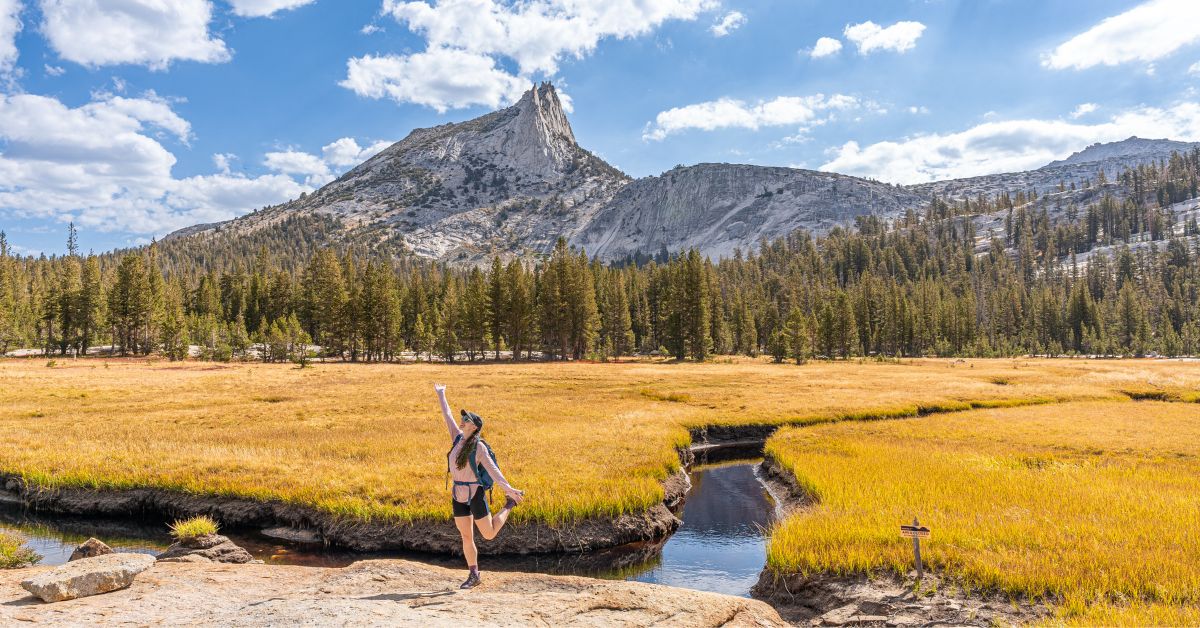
<point>515,180</point>
<point>719,207</point>
<point>1084,165</point>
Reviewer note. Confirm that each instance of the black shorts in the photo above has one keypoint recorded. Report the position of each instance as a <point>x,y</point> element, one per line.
<point>478,507</point>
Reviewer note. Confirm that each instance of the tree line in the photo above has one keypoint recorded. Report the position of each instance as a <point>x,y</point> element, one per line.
<point>1120,276</point>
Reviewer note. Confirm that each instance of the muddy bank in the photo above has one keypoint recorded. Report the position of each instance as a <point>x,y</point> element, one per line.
<point>376,592</point>
<point>829,600</point>
<point>436,536</point>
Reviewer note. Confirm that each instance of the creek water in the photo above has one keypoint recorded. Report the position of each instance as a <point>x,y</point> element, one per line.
<point>720,547</point>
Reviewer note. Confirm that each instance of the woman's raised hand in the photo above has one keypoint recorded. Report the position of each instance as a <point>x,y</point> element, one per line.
<point>440,388</point>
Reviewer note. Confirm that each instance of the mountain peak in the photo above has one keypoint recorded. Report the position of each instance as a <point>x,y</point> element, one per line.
<point>541,123</point>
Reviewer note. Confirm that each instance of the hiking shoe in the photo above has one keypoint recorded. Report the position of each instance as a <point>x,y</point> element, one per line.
<point>471,582</point>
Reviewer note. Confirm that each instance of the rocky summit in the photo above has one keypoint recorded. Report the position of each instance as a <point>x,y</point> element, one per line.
<point>515,180</point>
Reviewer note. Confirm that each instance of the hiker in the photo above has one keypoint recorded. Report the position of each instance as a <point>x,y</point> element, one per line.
<point>474,471</point>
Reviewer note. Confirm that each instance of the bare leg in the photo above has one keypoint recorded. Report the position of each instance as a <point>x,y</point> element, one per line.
<point>468,540</point>
<point>490,525</point>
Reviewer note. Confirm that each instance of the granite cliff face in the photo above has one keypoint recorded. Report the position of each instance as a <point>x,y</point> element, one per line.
<point>719,207</point>
<point>515,180</point>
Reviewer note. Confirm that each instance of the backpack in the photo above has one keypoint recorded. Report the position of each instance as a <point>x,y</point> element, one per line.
<point>481,473</point>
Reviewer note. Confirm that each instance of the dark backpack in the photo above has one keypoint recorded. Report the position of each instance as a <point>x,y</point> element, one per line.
<point>481,473</point>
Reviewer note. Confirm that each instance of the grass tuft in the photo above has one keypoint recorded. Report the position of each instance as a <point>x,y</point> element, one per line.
<point>13,553</point>
<point>194,528</point>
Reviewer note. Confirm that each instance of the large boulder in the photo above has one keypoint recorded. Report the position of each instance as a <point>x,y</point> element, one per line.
<point>88,576</point>
<point>213,547</point>
<point>90,548</point>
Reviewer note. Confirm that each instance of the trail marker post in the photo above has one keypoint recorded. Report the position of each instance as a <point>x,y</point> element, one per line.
<point>916,532</point>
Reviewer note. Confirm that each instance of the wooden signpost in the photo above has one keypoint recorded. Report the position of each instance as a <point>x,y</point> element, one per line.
<point>916,532</point>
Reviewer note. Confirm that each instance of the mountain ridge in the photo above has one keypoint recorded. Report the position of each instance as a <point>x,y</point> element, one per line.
<point>515,180</point>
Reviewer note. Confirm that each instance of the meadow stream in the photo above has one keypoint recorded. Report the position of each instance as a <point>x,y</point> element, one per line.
<point>720,547</point>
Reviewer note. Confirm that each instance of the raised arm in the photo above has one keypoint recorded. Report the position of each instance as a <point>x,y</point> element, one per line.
<point>451,424</point>
<point>481,455</point>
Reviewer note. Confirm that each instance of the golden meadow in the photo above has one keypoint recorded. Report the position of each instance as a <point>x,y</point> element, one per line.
<point>1057,458</point>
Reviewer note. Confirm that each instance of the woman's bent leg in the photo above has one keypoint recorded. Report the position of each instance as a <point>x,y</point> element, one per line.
<point>490,525</point>
<point>468,540</point>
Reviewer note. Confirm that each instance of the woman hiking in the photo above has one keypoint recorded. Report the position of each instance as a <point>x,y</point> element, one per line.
<point>470,467</point>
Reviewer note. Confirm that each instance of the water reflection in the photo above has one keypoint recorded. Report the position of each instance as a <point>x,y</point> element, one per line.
<point>721,545</point>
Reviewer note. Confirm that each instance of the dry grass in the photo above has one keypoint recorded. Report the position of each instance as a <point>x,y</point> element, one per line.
<point>368,441</point>
<point>1090,505</point>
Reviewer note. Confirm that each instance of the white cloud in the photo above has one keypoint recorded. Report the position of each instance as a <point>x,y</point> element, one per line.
<point>10,25</point>
<point>870,37</point>
<point>293,162</point>
<point>1194,69</point>
<point>1084,109</point>
<point>731,22</point>
<point>265,8</point>
<point>100,165</point>
<point>335,157</point>
<point>1005,146</point>
<point>918,110</point>
<point>728,113</point>
<point>141,32</point>
<point>222,161</point>
<point>345,152</point>
<point>1146,32</point>
<point>54,70</point>
<point>441,78</point>
<point>466,38</point>
<point>826,46</point>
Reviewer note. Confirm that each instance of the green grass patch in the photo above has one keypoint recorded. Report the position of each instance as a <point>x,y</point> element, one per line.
<point>194,528</point>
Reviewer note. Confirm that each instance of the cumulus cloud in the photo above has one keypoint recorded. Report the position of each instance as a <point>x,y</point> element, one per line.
<point>152,33</point>
<point>346,152</point>
<point>727,24</point>
<point>441,79</point>
<point>1005,146</point>
<point>870,37</point>
<point>726,113</point>
<point>465,39</point>
<point>1084,109</point>
<point>825,47</point>
<point>10,25</point>
<point>53,70</point>
<point>293,162</point>
<point>1144,33</point>
<point>265,8</point>
<point>102,164</point>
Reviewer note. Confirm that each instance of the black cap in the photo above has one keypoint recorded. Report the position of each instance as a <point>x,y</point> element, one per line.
<point>472,417</point>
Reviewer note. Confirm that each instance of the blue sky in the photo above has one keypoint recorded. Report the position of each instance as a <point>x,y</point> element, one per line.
<point>136,117</point>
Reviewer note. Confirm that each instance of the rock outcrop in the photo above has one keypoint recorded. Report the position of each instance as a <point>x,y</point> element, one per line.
<point>721,207</point>
<point>89,548</point>
<point>383,593</point>
<point>87,576</point>
<point>213,548</point>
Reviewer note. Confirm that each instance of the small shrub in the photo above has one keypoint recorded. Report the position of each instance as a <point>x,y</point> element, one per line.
<point>14,554</point>
<point>51,364</point>
<point>194,528</point>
